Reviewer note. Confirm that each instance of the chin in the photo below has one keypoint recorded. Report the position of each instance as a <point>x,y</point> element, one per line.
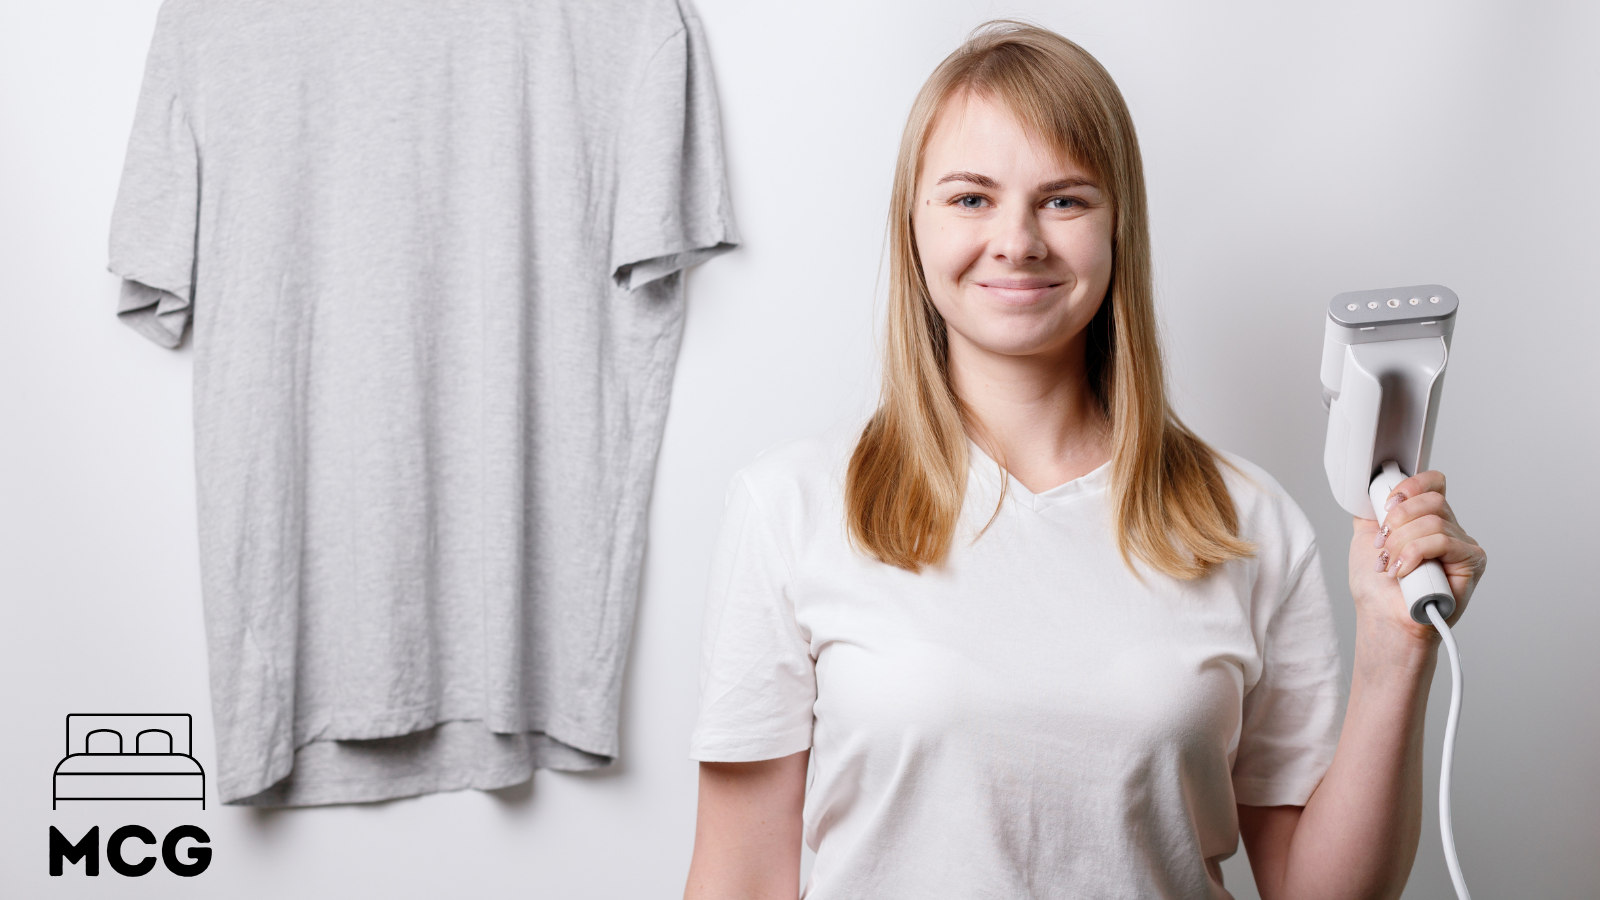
<point>1021,345</point>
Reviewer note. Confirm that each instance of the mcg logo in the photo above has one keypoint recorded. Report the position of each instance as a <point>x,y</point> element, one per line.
<point>129,757</point>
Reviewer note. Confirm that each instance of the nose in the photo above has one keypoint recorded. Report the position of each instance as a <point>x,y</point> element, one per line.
<point>1017,238</point>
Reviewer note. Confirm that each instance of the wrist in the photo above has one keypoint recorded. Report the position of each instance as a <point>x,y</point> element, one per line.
<point>1380,646</point>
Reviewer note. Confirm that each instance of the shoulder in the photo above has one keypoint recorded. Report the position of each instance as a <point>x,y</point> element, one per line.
<point>648,26</point>
<point>804,470</point>
<point>797,485</point>
<point>177,10</point>
<point>176,20</point>
<point>1285,542</point>
<point>1268,515</point>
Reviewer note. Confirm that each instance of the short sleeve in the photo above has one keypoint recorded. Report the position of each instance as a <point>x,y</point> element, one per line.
<point>671,208</point>
<point>153,222</point>
<point>757,676</point>
<point>1292,716</point>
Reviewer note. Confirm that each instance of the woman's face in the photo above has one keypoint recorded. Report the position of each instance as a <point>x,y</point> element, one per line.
<point>1015,243</point>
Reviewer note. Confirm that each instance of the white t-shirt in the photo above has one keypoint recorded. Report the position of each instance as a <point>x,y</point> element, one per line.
<point>1028,720</point>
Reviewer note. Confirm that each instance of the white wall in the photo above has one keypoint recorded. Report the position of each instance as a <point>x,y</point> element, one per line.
<point>1293,151</point>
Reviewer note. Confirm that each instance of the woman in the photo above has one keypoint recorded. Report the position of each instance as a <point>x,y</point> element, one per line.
<point>1033,636</point>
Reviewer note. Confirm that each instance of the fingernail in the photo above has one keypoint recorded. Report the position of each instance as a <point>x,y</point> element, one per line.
<point>1393,499</point>
<point>1383,561</point>
<point>1394,570</point>
<point>1378,539</point>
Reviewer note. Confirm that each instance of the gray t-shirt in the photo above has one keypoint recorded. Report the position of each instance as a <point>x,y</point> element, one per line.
<point>432,254</point>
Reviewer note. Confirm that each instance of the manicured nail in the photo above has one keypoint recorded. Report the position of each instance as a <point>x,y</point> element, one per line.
<point>1377,539</point>
<point>1383,561</point>
<point>1394,569</point>
<point>1393,499</point>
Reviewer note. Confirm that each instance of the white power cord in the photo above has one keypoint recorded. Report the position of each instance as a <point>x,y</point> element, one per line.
<point>1445,830</point>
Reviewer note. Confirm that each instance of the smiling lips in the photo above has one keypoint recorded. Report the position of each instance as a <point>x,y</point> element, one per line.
<point>1018,290</point>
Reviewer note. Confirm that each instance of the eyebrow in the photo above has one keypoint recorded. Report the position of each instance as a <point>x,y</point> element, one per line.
<point>985,181</point>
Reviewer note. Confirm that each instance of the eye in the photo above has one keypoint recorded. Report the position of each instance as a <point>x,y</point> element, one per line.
<point>1067,202</point>
<point>961,201</point>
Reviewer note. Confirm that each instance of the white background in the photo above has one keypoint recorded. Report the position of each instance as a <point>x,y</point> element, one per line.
<point>1293,151</point>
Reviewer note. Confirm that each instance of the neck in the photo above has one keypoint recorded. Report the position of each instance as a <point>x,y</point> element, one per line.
<point>1036,414</point>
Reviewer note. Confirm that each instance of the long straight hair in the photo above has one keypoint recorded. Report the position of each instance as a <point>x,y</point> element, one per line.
<point>907,476</point>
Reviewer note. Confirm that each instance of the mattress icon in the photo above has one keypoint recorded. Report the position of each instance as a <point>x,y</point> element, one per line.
<point>129,757</point>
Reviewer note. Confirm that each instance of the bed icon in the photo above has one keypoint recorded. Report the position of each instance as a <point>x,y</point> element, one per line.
<point>129,757</point>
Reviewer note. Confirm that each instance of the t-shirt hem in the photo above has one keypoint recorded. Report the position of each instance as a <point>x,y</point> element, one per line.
<point>663,260</point>
<point>736,749</point>
<point>550,745</point>
<point>157,309</point>
<point>355,790</point>
<point>1254,792</point>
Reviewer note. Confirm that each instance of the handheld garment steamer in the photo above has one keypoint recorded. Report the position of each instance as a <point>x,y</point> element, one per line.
<point>1383,359</point>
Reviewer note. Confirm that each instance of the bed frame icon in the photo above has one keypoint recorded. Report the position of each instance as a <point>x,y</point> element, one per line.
<point>114,756</point>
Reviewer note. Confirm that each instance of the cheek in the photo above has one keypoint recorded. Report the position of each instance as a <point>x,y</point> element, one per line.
<point>944,250</point>
<point>1090,253</point>
<point>932,253</point>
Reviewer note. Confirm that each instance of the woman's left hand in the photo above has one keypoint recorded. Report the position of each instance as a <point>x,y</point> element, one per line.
<point>1420,526</point>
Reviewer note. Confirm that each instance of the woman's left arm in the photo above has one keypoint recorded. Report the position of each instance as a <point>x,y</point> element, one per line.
<point>1357,834</point>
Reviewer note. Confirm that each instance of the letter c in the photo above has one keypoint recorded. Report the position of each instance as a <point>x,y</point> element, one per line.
<point>114,850</point>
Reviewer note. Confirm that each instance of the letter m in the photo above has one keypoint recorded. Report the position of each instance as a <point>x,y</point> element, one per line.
<point>86,849</point>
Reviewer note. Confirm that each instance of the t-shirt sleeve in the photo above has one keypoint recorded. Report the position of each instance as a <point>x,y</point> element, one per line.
<point>757,676</point>
<point>671,207</point>
<point>153,221</point>
<point>1292,716</point>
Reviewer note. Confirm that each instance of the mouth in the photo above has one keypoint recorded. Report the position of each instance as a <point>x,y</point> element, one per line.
<point>1019,284</point>
<point>1018,290</point>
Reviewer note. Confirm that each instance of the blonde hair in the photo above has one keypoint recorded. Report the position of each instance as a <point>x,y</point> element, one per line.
<point>907,476</point>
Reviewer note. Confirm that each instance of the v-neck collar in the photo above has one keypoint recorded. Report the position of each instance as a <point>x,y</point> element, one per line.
<point>986,468</point>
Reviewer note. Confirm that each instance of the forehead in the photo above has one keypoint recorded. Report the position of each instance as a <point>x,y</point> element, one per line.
<point>973,131</point>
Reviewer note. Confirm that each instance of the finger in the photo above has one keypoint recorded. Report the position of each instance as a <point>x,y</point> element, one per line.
<point>1420,483</point>
<point>1445,548</point>
<point>1426,504</point>
<point>1417,529</point>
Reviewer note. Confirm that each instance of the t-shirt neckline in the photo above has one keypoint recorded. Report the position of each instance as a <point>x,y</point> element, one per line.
<point>987,468</point>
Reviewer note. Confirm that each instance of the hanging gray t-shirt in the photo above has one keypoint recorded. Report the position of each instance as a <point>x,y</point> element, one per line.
<point>432,253</point>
